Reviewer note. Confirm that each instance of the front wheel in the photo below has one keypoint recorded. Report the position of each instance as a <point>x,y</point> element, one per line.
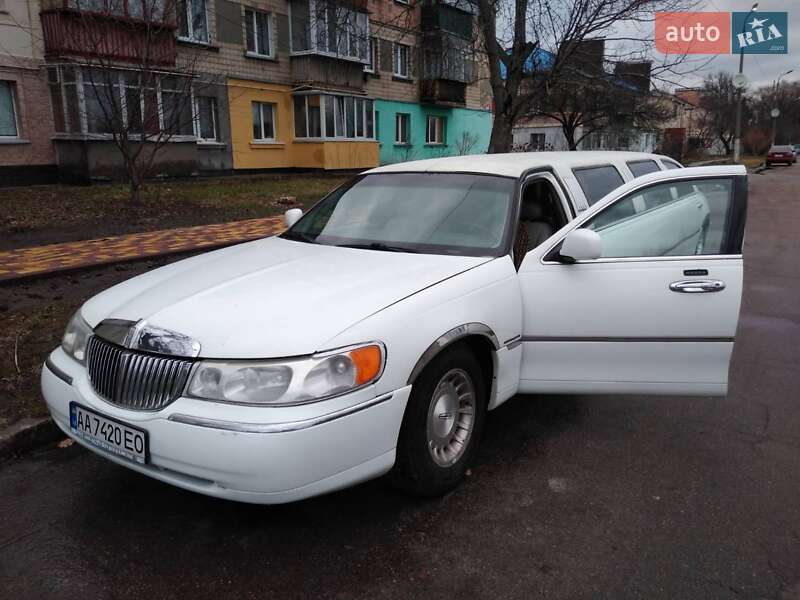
<point>442,424</point>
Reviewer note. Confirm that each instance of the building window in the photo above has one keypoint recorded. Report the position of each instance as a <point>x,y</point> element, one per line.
<point>8,110</point>
<point>101,99</point>
<point>401,126</point>
<point>325,27</point>
<point>372,55</point>
<point>536,143</point>
<point>176,105</point>
<point>434,132</point>
<point>192,21</point>
<point>263,122</point>
<point>139,103</point>
<point>146,10</point>
<point>140,100</point>
<point>401,60</point>
<point>329,116</point>
<point>207,118</point>
<point>259,32</point>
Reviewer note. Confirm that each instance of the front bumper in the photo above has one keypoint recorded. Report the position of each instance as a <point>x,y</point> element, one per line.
<point>265,455</point>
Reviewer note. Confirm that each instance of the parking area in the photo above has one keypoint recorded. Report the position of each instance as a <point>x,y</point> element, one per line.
<point>571,496</point>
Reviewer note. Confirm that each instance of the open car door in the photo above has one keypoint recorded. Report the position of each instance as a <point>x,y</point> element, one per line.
<point>653,305</point>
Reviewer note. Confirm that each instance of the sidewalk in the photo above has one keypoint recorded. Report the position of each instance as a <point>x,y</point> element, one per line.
<point>40,260</point>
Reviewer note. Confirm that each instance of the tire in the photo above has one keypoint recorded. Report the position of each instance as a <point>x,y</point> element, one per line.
<point>434,452</point>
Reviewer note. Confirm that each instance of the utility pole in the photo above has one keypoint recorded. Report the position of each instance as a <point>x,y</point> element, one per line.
<point>737,143</point>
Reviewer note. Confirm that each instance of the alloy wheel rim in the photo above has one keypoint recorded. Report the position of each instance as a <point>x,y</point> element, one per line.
<point>451,417</point>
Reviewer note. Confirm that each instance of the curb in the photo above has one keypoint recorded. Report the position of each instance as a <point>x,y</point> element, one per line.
<point>27,434</point>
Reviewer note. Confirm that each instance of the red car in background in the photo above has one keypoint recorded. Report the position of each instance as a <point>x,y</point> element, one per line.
<point>781,154</point>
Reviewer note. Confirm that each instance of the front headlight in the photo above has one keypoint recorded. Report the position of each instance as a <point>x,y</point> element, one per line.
<point>287,382</point>
<point>74,340</point>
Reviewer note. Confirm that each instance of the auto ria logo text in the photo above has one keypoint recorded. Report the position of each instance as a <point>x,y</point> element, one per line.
<point>722,32</point>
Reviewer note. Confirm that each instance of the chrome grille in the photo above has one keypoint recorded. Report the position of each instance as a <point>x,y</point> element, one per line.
<point>134,380</point>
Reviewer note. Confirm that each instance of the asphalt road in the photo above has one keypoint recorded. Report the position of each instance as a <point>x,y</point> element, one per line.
<point>572,497</point>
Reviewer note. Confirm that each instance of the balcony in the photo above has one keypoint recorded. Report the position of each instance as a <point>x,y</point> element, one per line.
<point>319,70</point>
<point>446,68</point>
<point>443,92</point>
<point>439,16</point>
<point>68,32</point>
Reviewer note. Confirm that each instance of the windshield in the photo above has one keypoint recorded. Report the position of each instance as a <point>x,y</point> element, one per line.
<point>434,213</point>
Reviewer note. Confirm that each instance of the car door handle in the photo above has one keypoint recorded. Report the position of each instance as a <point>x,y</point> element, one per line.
<point>697,286</point>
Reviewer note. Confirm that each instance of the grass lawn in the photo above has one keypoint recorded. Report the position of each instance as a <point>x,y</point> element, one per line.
<point>39,215</point>
<point>751,162</point>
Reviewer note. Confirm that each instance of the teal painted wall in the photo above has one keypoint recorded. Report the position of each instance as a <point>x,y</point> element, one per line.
<point>477,123</point>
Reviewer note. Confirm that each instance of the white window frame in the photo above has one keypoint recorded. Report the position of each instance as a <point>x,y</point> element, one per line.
<point>120,85</point>
<point>318,21</point>
<point>270,36</point>
<point>438,130</point>
<point>536,147</point>
<point>372,55</point>
<point>12,86</point>
<point>337,116</point>
<point>266,140</point>
<point>398,130</point>
<point>196,110</point>
<point>190,37</point>
<point>398,64</point>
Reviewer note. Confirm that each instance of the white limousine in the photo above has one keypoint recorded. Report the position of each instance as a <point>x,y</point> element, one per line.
<point>376,332</point>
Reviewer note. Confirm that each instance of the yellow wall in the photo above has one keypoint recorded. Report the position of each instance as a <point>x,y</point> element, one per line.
<point>285,152</point>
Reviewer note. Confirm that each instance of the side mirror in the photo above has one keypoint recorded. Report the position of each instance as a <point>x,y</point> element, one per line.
<point>581,244</point>
<point>292,216</point>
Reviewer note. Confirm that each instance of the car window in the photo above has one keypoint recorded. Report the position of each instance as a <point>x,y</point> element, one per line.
<point>667,219</point>
<point>596,182</point>
<point>642,167</point>
<point>438,213</point>
<point>781,149</point>
<point>670,164</point>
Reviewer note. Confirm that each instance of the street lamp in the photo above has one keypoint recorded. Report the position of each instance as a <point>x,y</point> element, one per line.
<point>737,144</point>
<point>775,112</point>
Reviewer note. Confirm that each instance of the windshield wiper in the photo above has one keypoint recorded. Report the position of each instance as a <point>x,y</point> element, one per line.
<point>299,236</point>
<point>378,246</point>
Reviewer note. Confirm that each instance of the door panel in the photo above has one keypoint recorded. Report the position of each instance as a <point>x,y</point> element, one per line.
<point>619,324</point>
<point>615,325</point>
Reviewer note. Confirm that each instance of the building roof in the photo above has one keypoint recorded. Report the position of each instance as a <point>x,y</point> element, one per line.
<point>513,164</point>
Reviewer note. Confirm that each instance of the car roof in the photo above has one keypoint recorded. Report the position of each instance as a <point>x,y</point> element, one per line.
<point>513,164</point>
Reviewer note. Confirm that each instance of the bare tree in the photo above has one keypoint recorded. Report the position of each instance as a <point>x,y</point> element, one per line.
<point>121,80</point>
<point>718,103</point>
<point>466,143</point>
<point>516,34</point>
<point>785,97</point>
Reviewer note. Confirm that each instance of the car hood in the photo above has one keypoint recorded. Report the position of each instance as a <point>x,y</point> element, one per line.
<point>272,297</point>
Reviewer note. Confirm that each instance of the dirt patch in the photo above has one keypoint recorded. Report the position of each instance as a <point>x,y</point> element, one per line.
<point>33,315</point>
<point>39,215</point>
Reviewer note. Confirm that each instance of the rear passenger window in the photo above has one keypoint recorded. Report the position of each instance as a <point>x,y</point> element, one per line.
<point>670,164</point>
<point>596,182</point>
<point>642,167</point>
<point>667,219</point>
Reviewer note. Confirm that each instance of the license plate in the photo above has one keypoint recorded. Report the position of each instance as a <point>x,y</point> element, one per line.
<point>108,434</point>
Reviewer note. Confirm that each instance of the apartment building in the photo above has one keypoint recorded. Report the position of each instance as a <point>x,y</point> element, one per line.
<point>254,84</point>
<point>26,121</point>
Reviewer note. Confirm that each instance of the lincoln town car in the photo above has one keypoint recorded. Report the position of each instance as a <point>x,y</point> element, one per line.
<point>374,335</point>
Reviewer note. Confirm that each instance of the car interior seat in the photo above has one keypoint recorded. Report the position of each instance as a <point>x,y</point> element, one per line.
<point>534,215</point>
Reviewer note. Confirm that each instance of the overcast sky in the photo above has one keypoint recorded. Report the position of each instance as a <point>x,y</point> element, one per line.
<point>761,69</point>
